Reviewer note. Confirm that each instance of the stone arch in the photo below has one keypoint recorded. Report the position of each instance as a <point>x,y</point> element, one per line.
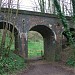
<point>73,32</point>
<point>65,38</point>
<point>10,28</point>
<point>49,40</point>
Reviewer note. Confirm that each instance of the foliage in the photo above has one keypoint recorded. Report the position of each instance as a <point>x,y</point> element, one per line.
<point>10,63</point>
<point>34,36</point>
<point>71,60</point>
<point>35,44</point>
<point>64,21</point>
<point>8,60</point>
<point>35,48</point>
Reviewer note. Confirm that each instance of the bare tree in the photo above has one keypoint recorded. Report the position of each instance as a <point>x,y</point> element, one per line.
<point>49,3</point>
<point>6,27</point>
<point>0,4</point>
<point>45,6</point>
<point>42,4</point>
<point>8,17</point>
<point>73,4</point>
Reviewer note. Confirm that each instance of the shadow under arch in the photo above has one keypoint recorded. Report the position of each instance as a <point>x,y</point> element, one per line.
<point>10,28</point>
<point>65,40</point>
<point>49,41</point>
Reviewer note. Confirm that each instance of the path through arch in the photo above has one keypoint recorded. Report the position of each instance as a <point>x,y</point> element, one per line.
<point>49,40</point>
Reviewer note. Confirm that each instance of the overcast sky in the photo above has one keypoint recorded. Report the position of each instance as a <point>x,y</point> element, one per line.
<point>23,4</point>
<point>31,4</point>
<point>28,4</point>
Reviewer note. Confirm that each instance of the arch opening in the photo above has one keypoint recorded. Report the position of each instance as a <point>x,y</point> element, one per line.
<point>48,40</point>
<point>9,30</point>
<point>65,38</point>
<point>7,39</point>
<point>35,45</point>
<point>9,27</point>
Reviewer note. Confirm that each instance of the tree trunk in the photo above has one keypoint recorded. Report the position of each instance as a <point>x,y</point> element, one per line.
<point>73,4</point>
<point>42,5</point>
<point>0,5</point>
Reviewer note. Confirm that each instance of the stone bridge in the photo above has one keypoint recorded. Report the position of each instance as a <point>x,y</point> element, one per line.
<point>48,25</point>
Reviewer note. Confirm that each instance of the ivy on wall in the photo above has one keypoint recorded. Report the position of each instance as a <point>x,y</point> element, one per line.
<point>71,60</point>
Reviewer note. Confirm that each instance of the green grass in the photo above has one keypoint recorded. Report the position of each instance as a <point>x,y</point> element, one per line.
<point>13,62</point>
<point>35,48</point>
<point>7,41</point>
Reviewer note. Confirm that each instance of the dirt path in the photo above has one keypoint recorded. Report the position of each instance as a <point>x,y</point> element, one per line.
<point>45,68</point>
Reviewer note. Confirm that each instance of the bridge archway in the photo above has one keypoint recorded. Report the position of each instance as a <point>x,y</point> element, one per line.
<point>65,39</point>
<point>10,28</point>
<point>49,40</point>
<point>35,44</point>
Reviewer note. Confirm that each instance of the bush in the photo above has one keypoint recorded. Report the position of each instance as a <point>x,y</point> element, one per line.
<point>11,63</point>
<point>71,62</point>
